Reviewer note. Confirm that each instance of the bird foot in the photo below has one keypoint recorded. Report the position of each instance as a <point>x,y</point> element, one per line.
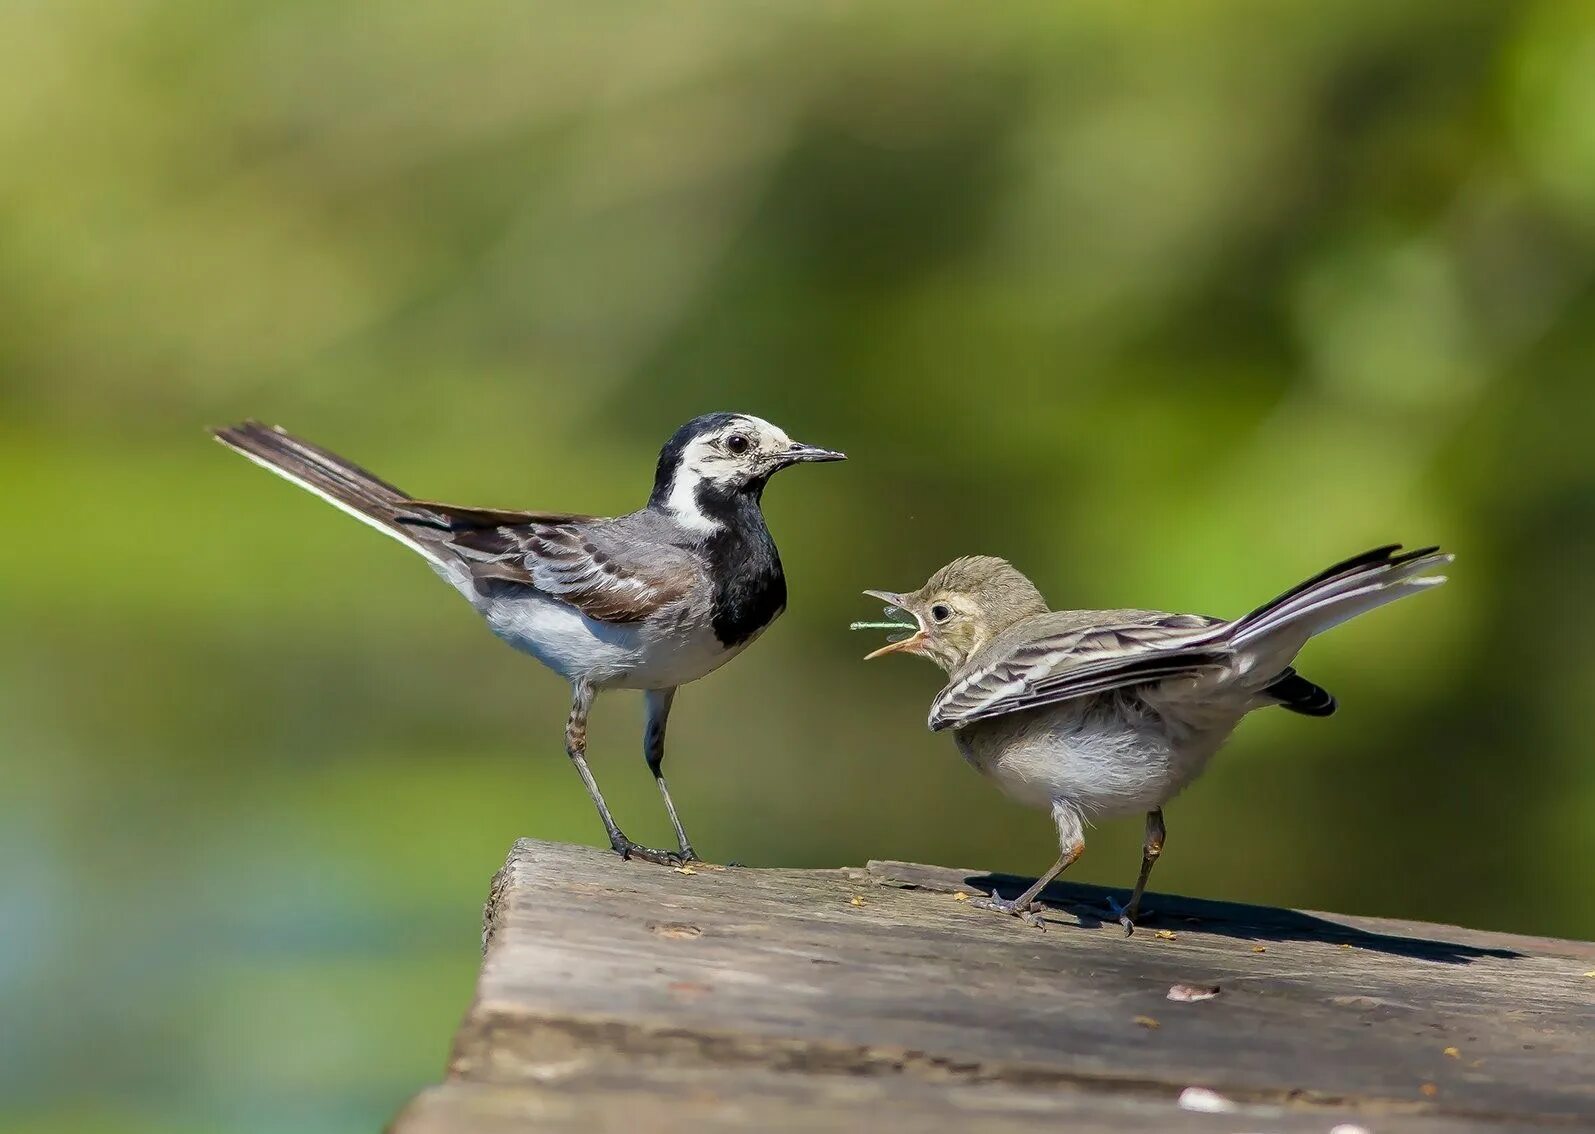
<point>1126,916</point>
<point>1030,915</point>
<point>627,849</point>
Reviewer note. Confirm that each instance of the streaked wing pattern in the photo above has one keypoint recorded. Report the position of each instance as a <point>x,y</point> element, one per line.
<point>1053,662</point>
<point>580,560</point>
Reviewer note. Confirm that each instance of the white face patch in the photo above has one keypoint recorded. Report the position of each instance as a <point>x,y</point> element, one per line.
<point>714,456</point>
<point>714,459</point>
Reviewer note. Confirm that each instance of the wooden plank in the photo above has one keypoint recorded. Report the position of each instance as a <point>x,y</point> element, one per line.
<point>623,996</point>
<point>670,1100</point>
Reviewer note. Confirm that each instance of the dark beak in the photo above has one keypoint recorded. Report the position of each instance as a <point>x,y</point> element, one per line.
<point>800,453</point>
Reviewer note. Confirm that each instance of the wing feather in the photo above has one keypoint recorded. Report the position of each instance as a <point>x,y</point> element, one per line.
<point>586,562</point>
<point>461,517</point>
<point>1047,666</point>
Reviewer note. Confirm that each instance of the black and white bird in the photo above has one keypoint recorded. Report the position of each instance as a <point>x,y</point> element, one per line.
<point>1106,713</point>
<point>649,601</point>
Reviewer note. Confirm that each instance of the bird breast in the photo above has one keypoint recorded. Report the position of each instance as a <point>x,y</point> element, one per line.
<point>672,647</point>
<point>1111,756</point>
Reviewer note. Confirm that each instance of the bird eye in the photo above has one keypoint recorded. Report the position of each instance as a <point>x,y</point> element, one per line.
<point>737,443</point>
<point>940,612</point>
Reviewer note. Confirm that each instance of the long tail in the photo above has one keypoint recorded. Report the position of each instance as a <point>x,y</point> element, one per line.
<point>1268,639</point>
<point>341,483</point>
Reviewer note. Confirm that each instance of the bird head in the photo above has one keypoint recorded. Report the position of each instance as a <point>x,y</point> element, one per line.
<point>716,458</point>
<point>960,608</point>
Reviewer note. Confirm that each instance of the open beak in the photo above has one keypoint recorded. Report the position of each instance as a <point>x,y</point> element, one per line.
<point>910,644</point>
<point>800,453</point>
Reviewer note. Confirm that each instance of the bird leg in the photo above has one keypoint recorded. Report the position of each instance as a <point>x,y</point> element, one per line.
<point>653,750</point>
<point>1071,837</point>
<point>1150,851</point>
<point>576,749</point>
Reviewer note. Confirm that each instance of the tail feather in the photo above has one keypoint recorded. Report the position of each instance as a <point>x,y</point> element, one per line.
<point>1344,591</point>
<point>1377,557</point>
<point>343,484</point>
<point>1294,692</point>
<point>1268,639</point>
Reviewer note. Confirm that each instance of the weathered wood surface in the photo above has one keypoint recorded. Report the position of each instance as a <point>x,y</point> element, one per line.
<point>625,996</point>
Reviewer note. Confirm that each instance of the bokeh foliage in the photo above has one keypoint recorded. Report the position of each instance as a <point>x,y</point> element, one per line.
<point>1171,304</point>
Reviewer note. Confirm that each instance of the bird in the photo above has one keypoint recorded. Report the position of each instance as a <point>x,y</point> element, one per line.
<point>1110,713</point>
<point>649,601</point>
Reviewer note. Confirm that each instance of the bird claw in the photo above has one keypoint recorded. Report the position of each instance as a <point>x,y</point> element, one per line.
<point>1030,915</point>
<point>1123,916</point>
<point>627,849</point>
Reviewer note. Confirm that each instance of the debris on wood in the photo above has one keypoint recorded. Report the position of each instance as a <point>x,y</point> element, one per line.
<point>1452,1052</point>
<point>1148,1023</point>
<point>1429,1090</point>
<point>1204,1101</point>
<point>1165,935</point>
<point>1190,993</point>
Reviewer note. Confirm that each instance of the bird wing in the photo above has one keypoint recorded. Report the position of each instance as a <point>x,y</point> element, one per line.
<point>1060,656</point>
<point>598,566</point>
<point>461,517</point>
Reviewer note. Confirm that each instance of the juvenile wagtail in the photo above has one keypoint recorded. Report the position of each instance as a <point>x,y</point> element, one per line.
<point>1106,713</point>
<point>649,601</point>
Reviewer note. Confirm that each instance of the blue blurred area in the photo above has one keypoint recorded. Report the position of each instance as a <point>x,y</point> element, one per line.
<point>1172,307</point>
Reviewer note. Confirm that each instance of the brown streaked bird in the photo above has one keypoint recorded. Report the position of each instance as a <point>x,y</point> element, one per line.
<point>650,600</point>
<point>1106,713</point>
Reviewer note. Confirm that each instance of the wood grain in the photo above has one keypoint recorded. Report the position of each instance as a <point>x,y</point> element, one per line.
<point>620,995</point>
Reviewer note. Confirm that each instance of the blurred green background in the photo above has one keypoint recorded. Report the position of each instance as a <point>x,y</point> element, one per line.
<point>1172,305</point>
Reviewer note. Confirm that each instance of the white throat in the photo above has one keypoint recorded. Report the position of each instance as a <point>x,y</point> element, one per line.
<point>682,502</point>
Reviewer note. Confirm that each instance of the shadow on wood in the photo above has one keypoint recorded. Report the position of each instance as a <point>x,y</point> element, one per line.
<point>624,996</point>
<point>1087,903</point>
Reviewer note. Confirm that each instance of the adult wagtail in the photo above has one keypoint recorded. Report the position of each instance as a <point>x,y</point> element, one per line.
<point>650,600</point>
<point>1105,713</point>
